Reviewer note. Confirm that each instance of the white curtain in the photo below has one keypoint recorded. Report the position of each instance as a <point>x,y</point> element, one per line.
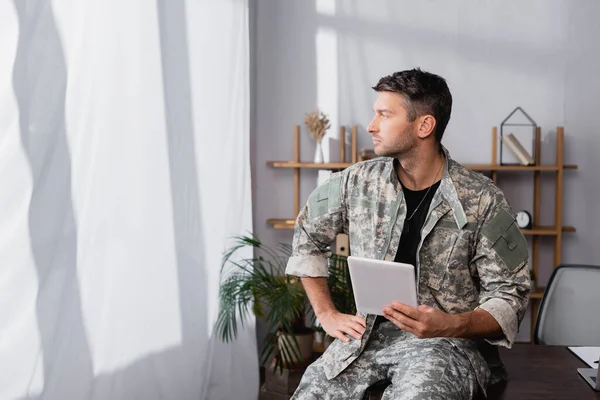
<point>124,168</point>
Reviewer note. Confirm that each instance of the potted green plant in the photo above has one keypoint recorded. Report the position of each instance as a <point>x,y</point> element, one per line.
<point>258,284</point>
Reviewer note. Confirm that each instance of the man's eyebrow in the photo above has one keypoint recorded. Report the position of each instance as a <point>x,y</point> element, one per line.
<point>382,110</point>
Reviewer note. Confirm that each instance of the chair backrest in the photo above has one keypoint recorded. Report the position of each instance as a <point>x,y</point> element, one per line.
<point>569,313</point>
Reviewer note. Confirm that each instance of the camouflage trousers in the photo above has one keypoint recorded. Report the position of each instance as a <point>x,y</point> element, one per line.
<point>417,369</point>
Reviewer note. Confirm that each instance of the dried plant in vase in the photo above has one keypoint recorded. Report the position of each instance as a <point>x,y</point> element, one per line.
<point>317,124</point>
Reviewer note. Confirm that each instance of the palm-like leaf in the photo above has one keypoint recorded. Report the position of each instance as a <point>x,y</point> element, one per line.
<point>259,285</point>
<point>340,285</point>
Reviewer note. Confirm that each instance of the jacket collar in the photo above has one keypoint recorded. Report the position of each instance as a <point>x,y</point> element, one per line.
<point>448,191</point>
<point>446,196</point>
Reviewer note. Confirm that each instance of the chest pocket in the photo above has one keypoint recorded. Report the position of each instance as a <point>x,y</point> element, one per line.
<point>453,282</point>
<point>363,218</point>
<point>437,251</point>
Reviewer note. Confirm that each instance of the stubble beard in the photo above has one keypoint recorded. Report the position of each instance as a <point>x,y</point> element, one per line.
<point>402,148</point>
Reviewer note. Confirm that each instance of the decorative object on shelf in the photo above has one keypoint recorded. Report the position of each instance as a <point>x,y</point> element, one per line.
<point>317,124</point>
<point>524,220</point>
<point>296,165</point>
<point>524,129</point>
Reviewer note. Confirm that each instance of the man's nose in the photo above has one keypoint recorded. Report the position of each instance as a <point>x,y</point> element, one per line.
<point>371,127</point>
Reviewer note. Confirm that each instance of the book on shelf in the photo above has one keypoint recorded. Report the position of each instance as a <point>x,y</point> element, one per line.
<point>517,149</point>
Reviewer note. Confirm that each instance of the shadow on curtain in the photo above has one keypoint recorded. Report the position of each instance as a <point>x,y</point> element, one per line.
<point>178,372</point>
<point>40,80</point>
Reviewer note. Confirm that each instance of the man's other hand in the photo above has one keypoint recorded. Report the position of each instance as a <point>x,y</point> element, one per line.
<point>423,321</point>
<point>337,325</point>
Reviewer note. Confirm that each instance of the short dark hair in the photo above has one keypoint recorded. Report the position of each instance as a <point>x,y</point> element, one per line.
<point>424,93</point>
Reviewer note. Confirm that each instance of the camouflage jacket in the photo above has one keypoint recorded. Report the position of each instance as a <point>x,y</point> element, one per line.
<point>471,254</point>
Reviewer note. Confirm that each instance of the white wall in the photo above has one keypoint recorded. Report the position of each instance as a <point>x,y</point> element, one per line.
<point>582,105</point>
<point>496,55</point>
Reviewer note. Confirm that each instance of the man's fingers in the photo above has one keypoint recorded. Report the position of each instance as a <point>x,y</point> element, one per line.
<point>406,310</point>
<point>352,332</point>
<point>348,326</point>
<point>340,335</point>
<point>360,320</point>
<point>396,316</point>
<point>357,327</point>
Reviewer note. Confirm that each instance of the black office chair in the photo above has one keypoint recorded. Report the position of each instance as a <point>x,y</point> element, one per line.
<point>569,313</point>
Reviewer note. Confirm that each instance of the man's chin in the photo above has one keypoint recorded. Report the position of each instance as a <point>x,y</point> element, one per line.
<point>380,152</point>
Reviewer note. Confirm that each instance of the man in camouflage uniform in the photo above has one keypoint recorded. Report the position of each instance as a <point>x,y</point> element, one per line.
<point>415,204</point>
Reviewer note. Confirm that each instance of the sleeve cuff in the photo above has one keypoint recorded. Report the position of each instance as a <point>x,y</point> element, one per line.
<point>506,318</point>
<point>307,266</point>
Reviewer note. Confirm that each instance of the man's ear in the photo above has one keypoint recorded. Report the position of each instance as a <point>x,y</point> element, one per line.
<point>427,125</point>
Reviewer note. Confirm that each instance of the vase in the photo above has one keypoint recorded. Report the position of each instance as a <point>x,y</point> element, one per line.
<point>319,154</point>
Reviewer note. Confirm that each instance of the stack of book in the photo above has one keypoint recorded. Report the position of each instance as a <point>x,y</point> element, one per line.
<point>517,149</point>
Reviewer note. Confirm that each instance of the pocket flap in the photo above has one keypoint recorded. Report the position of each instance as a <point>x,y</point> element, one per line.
<point>363,202</point>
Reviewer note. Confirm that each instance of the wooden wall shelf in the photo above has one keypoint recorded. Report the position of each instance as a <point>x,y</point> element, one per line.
<point>493,169</point>
<point>533,168</point>
<point>547,230</point>
<point>282,223</point>
<point>474,167</point>
<point>292,164</point>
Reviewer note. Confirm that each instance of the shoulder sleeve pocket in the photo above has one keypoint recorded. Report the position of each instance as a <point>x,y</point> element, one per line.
<point>507,239</point>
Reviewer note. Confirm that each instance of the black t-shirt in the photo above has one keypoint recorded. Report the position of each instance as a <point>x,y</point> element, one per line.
<point>411,233</point>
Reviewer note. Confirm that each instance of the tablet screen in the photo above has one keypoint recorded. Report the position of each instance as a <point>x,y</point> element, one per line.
<point>378,283</point>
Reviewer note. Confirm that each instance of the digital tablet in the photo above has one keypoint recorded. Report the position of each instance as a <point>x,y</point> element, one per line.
<point>376,284</point>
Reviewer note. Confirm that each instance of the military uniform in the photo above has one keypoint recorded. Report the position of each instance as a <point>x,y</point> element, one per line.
<point>471,255</point>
